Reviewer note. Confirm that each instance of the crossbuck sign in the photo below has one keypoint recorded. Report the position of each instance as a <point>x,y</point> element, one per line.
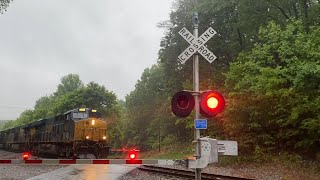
<point>197,45</point>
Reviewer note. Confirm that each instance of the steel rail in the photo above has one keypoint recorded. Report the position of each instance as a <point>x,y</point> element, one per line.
<point>187,174</point>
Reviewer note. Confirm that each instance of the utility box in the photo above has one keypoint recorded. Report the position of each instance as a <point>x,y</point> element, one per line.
<point>205,153</point>
<point>214,150</point>
<point>210,150</point>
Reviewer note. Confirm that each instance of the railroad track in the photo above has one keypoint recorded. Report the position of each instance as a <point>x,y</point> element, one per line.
<point>186,174</point>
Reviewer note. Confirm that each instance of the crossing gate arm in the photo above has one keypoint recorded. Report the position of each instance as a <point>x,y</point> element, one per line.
<point>90,161</point>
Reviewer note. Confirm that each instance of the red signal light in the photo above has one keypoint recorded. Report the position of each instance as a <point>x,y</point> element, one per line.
<point>182,104</point>
<point>132,156</point>
<point>25,155</point>
<point>211,103</point>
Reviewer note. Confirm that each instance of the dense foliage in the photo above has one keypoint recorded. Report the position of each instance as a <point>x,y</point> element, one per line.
<point>4,5</point>
<point>267,67</point>
<point>274,90</point>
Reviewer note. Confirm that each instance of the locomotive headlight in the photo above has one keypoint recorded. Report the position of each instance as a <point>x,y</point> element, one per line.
<point>87,137</point>
<point>104,137</point>
<point>92,122</point>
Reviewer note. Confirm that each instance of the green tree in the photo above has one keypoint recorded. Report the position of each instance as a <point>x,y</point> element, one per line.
<point>274,90</point>
<point>92,95</point>
<point>4,4</point>
<point>8,125</point>
<point>24,118</point>
<point>69,83</point>
<point>148,113</point>
<point>43,109</point>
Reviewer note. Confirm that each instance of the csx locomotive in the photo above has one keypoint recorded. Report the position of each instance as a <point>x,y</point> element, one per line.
<point>76,133</point>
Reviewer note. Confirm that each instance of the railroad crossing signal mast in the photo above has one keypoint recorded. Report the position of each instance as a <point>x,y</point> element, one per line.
<point>211,102</point>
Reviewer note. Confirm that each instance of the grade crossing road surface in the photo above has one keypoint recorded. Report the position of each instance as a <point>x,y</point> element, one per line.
<point>87,172</point>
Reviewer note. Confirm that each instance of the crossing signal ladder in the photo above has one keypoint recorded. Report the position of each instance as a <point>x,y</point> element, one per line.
<point>211,103</point>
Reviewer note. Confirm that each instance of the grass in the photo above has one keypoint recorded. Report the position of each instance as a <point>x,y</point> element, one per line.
<point>177,151</point>
<point>165,153</point>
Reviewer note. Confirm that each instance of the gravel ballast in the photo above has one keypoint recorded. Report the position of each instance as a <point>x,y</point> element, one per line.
<point>263,172</point>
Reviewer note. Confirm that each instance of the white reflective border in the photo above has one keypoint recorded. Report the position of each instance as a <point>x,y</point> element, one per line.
<point>166,162</point>
<point>50,161</point>
<point>84,161</point>
<point>17,161</point>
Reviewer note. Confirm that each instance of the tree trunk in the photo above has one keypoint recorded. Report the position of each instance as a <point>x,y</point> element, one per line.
<point>279,8</point>
<point>295,10</point>
<point>240,39</point>
<point>305,8</point>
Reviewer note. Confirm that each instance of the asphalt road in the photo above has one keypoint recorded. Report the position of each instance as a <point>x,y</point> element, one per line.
<point>87,172</point>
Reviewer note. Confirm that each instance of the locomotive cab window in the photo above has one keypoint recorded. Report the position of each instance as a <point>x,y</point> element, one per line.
<point>68,116</point>
<point>94,114</point>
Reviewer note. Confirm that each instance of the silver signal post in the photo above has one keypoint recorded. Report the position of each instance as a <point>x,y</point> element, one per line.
<point>195,20</point>
<point>206,149</point>
<point>197,47</point>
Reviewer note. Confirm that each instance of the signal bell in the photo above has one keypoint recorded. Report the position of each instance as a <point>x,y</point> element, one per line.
<point>182,104</point>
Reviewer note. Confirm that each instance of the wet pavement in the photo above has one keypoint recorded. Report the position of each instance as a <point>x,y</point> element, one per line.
<point>87,172</point>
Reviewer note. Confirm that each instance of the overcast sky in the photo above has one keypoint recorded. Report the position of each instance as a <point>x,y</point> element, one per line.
<point>110,42</point>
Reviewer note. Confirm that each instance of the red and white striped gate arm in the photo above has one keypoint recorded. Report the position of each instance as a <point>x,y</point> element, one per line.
<point>87,161</point>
